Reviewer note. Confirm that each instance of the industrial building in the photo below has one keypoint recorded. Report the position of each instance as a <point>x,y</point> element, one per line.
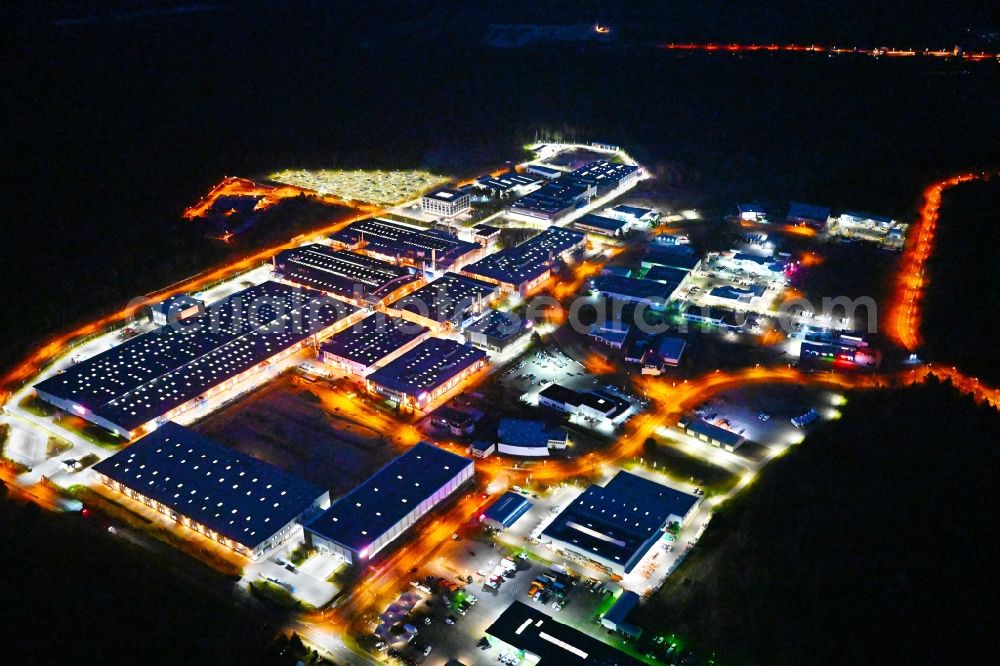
<point>755,264</point>
<point>506,511</point>
<point>713,434</point>
<point>633,215</point>
<point>544,171</point>
<point>666,354</point>
<point>523,629</point>
<point>735,296</point>
<point>422,374</point>
<point>497,331</point>
<point>522,268</point>
<point>751,212</point>
<point>347,275</point>
<point>666,275</point>
<point>373,342</point>
<point>529,438</point>
<point>485,234</point>
<point>616,619</point>
<point>723,318</point>
<point>839,349</point>
<point>243,503</point>
<point>880,229</point>
<point>158,375</point>
<point>614,526</point>
<point>649,293</point>
<point>612,334</point>
<point>553,200</point>
<point>399,243</point>
<point>367,519</point>
<point>605,176</point>
<point>175,309</point>
<point>508,184</point>
<point>604,226</point>
<point>598,405</point>
<point>675,256</point>
<point>808,214</point>
<point>453,300</point>
<point>445,202</point>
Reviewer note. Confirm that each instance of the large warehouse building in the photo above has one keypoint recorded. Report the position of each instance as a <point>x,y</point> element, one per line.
<point>524,267</point>
<point>370,517</point>
<point>347,275</point>
<point>159,375</point>
<point>427,371</point>
<point>404,243</point>
<point>375,341</point>
<point>243,503</point>
<point>615,525</point>
<point>451,301</point>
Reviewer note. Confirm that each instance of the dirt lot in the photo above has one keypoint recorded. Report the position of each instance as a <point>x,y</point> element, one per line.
<point>284,424</point>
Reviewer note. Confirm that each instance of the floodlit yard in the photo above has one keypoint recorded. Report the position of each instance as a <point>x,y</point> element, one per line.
<point>376,187</point>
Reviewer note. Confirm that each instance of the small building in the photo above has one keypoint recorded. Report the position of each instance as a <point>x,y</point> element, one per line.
<point>839,349</point>
<point>675,256</point>
<point>604,226</point>
<point>649,293</point>
<point>598,405</point>
<point>713,434</point>
<point>482,449</point>
<point>243,503</point>
<point>424,373</point>
<point>445,202</point>
<point>616,619</point>
<point>719,317</point>
<point>485,234</point>
<point>667,354</point>
<point>529,438</point>
<point>633,215</point>
<point>454,421</point>
<point>612,334</point>
<point>750,212</point>
<point>510,184</point>
<point>505,511</point>
<point>808,214</point>
<point>176,308</point>
<point>544,641</point>
<point>364,521</point>
<point>497,331</point>
<point>544,171</point>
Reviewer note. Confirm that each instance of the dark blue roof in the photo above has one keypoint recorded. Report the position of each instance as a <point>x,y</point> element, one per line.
<point>634,211</point>
<point>666,274</point>
<point>445,194</point>
<point>806,211</point>
<point>143,378</point>
<point>620,521</point>
<point>394,239</point>
<point>677,256</point>
<point>551,198</point>
<point>237,496</point>
<point>428,365</point>
<point>346,274</point>
<point>735,293</point>
<point>500,325</point>
<point>367,512</point>
<point>602,223</point>
<point>713,431</point>
<point>615,285</point>
<point>527,432</point>
<point>176,304</point>
<point>508,509</point>
<point>373,338</point>
<point>671,347</point>
<point>553,643</point>
<point>528,260</point>
<point>450,298</point>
